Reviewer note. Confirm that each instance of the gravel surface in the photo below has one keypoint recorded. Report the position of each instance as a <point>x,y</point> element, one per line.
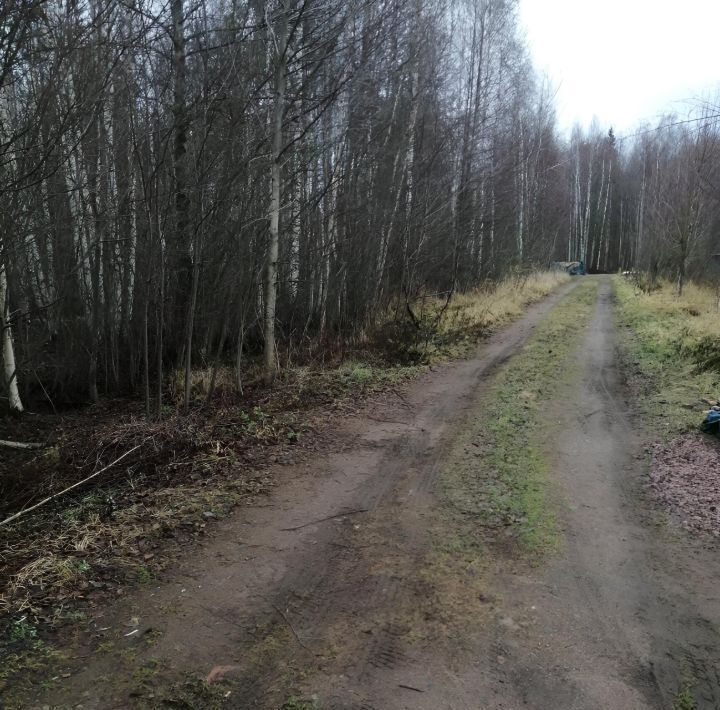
<point>685,476</point>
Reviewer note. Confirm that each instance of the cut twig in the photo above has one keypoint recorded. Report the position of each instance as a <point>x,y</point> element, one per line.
<point>69,488</point>
<point>20,445</point>
<point>290,626</point>
<point>410,687</point>
<point>402,399</point>
<point>47,396</point>
<point>329,517</point>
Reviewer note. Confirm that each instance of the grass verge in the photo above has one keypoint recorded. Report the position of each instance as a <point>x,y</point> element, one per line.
<point>496,478</point>
<point>671,353</point>
<point>666,342</point>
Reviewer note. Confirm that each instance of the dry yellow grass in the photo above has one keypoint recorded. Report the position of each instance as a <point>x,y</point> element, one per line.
<point>669,318</point>
<point>438,329</point>
<point>507,299</point>
<point>673,342</point>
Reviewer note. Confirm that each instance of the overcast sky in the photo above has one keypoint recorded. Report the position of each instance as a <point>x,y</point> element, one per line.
<point>624,61</point>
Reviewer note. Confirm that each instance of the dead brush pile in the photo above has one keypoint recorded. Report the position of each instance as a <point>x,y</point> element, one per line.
<point>180,473</point>
<point>175,476</point>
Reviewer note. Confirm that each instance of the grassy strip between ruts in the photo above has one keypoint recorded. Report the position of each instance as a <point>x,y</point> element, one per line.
<point>496,477</point>
<point>666,340</point>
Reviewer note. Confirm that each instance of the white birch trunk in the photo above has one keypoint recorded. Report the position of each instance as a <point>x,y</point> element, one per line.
<point>8,351</point>
<point>595,260</point>
<point>586,216</point>
<point>405,172</point>
<point>520,183</point>
<point>492,222</point>
<point>576,235</point>
<point>621,259</point>
<point>641,220</point>
<point>604,237</point>
<point>410,169</point>
<point>270,357</point>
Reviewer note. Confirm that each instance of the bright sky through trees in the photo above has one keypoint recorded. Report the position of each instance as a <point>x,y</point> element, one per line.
<point>624,61</point>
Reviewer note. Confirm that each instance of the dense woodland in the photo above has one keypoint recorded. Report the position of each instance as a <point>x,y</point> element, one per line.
<point>187,181</point>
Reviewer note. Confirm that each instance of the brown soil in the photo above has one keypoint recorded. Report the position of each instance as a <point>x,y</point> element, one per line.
<point>332,589</point>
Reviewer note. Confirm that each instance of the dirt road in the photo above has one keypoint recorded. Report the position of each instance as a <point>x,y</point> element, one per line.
<point>326,591</point>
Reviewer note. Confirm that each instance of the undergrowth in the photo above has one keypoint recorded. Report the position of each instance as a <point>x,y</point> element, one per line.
<point>496,477</point>
<point>673,350</point>
<point>24,657</point>
<point>685,698</point>
<point>192,693</point>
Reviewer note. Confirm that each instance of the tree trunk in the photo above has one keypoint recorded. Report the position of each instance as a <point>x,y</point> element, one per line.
<point>191,325</point>
<point>271,264</point>
<point>179,255</point>
<point>8,351</point>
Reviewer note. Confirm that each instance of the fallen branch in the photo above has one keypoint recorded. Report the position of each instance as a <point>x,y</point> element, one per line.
<point>20,445</point>
<point>290,626</point>
<point>402,399</point>
<point>329,517</point>
<point>410,687</point>
<point>69,488</point>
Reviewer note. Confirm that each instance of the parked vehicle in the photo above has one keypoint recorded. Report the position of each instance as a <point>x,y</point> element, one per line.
<point>574,268</point>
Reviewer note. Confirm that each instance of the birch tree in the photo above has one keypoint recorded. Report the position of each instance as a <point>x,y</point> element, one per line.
<point>8,350</point>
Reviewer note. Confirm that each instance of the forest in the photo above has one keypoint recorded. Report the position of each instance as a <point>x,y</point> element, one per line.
<point>300,404</point>
<point>194,184</point>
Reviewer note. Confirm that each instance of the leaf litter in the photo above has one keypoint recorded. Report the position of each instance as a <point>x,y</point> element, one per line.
<point>685,477</point>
